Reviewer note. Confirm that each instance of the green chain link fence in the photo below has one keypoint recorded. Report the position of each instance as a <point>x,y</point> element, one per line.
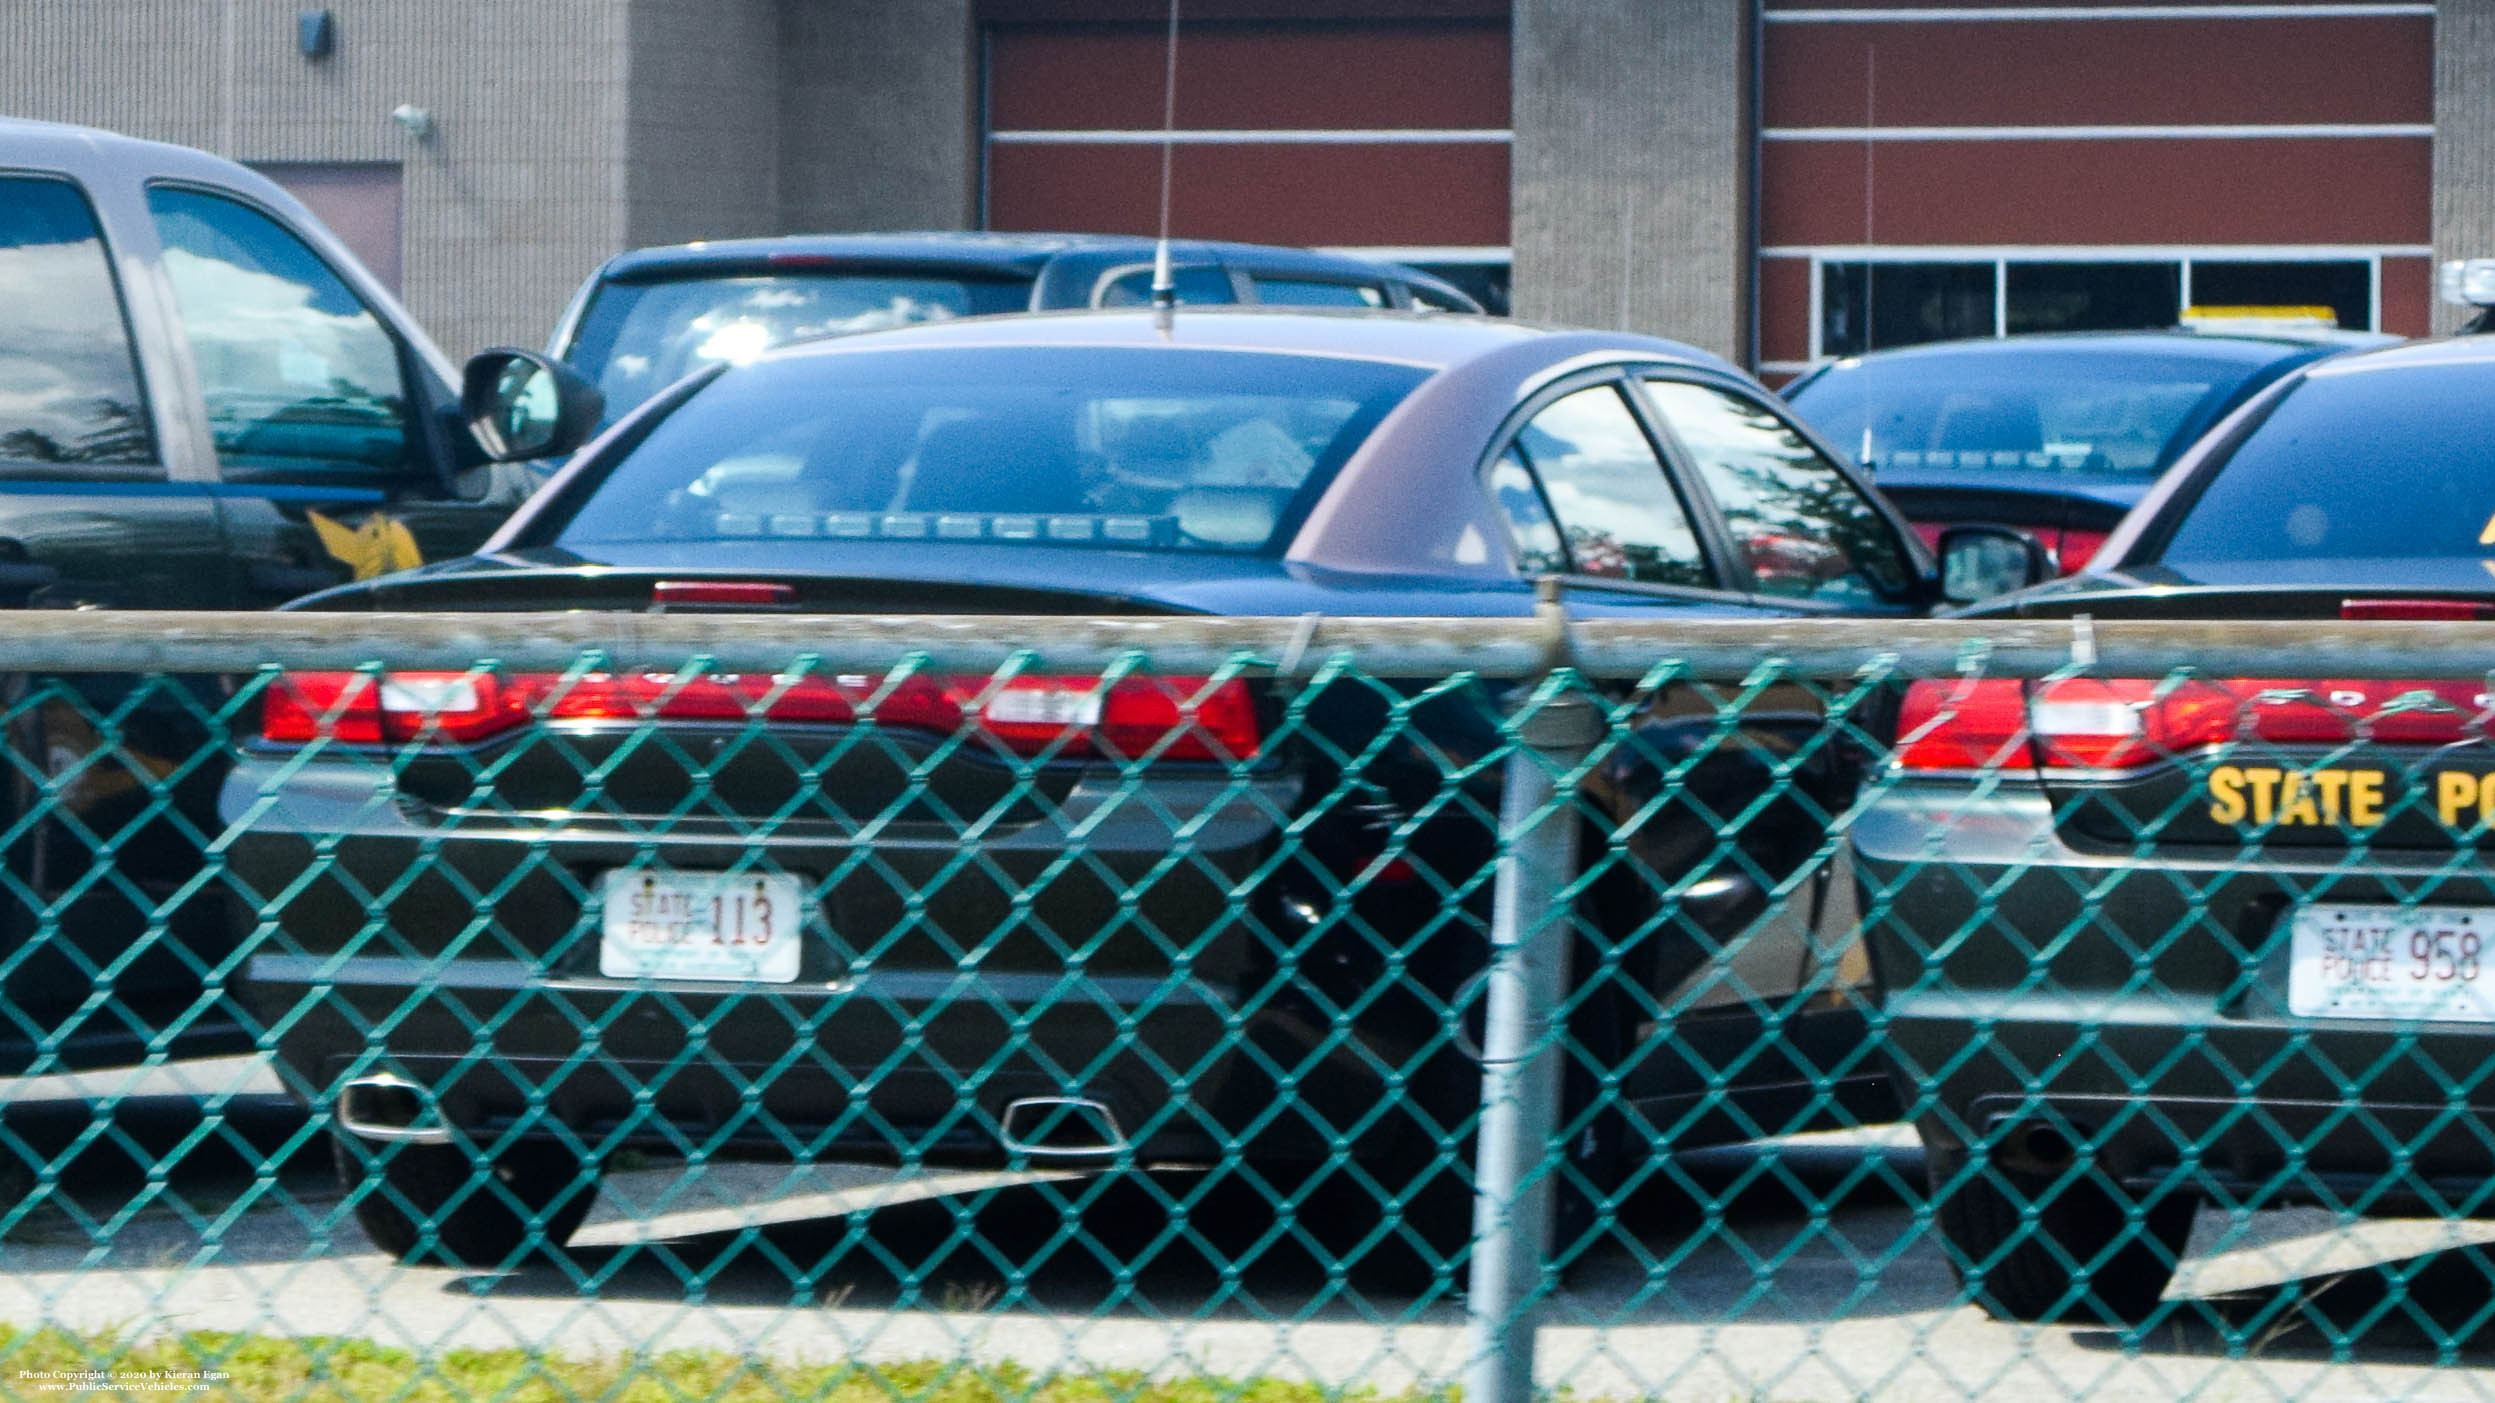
<point>680,1007</point>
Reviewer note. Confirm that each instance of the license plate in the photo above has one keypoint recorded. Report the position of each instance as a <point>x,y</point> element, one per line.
<point>2433,964</point>
<point>742,926</point>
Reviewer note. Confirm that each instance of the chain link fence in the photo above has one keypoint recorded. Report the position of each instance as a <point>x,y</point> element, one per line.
<point>683,1007</point>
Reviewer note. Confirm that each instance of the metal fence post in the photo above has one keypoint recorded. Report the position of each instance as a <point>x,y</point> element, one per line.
<point>1520,1086</point>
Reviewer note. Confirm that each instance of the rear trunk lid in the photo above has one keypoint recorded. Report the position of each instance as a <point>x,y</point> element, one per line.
<point>2300,761</point>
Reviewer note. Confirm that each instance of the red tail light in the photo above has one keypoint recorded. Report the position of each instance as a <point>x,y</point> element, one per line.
<point>2077,548</point>
<point>1963,725</point>
<point>2133,723</point>
<point>1174,718</point>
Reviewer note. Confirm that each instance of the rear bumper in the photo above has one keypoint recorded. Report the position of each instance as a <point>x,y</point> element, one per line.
<point>2144,1006</point>
<point>943,977</point>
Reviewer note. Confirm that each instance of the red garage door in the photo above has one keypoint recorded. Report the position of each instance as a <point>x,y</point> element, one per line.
<point>2009,168</point>
<point>1387,134</point>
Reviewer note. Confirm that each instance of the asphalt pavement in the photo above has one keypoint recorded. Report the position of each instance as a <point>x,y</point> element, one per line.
<point>1796,1270</point>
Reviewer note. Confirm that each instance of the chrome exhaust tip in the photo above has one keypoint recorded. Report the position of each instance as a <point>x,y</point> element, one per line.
<point>1060,1127</point>
<point>390,1109</point>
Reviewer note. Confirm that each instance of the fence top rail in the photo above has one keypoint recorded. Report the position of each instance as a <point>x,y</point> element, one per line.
<point>195,642</point>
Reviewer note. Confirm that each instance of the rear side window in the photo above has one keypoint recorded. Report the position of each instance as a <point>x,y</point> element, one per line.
<point>1199,286</point>
<point>69,387</point>
<point>2382,463</point>
<point>297,372</point>
<point>1617,511</point>
<point>637,338</point>
<point>1303,292</point>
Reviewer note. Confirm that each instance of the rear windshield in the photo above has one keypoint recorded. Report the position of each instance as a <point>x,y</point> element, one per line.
<point>637,338</point>
<point>1044,447</point>
<point>2036,411</point>
<point>2380,464</point>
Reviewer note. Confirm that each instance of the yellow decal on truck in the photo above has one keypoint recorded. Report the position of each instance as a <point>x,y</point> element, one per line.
<point>379,545</point>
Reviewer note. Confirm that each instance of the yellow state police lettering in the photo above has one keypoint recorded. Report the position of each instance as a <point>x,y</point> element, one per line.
<point>2299,798</point>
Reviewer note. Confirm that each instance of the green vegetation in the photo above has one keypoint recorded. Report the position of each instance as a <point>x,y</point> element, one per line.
<point>55,1364</point>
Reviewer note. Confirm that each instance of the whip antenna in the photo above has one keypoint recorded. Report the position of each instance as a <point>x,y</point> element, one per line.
<point>1164,283</point>
<point>1871,265</point>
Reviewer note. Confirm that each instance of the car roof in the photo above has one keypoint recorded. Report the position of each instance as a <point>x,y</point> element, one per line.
<point>1004,252</point>
<point>2232,347</point>
<point>2410,355</point>
<point>69,147</point>
<point>1431,340</point>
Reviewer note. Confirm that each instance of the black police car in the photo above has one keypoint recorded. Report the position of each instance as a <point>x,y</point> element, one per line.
<point>2143,941</point>
<point>2054,435</point>
<point>517,922</point>
<point>650,317</point>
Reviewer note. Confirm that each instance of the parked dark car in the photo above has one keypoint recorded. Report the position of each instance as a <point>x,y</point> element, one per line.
<point>205,403</point>
<point>1275,925</point>
<point>2143,941</point>
<point>652,316</point>
<point>2055,435</point>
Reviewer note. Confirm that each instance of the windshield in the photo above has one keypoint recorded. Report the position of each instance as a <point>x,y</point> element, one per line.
<point>2395,463</point>
<point>1126,448</point>
<point>2065,412</point>
<point>637,338</point>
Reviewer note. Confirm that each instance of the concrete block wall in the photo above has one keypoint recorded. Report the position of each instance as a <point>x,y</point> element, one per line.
<point>879,115</point>
<point>702,135</point>
<point>516,197</point>
<point>1632,166</point>
<point>2464,137</point>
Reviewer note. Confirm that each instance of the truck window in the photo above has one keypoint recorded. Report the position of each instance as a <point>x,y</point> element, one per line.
<point>297,372</point>
<point>72,383</point>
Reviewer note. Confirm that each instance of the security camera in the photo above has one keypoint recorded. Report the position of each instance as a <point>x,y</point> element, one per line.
<point>419,122</point>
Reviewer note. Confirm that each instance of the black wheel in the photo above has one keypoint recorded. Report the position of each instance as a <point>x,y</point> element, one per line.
<point>437,1203</point>
<point>2082,1257</point>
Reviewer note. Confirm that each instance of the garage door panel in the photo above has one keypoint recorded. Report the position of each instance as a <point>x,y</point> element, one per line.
<point>1435,194</point>
<point>2374,69</point>
<point>1301,77</point>
<point>2410,306</point>
<point>2270,192</point>
<point>1784,309</point>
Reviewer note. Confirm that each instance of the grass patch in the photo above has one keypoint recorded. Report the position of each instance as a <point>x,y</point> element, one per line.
<point>48,1365</point>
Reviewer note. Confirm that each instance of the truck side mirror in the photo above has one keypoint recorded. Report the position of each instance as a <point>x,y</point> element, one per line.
<point>1979,562</point>
<point>521,405</point>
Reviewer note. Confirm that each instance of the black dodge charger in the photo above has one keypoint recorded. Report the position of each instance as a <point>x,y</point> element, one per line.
<point>2147,941</point>
<point>518,922</point>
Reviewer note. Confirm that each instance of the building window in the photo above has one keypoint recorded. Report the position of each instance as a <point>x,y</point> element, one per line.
<point>1868,305</point>
<point>1865,305</point>
<point>2091,296</point>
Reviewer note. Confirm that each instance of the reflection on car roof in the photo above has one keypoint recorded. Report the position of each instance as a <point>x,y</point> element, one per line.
<point>1424,339</point>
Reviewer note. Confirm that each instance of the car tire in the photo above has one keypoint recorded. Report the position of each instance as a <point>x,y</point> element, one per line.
<point>2080,1258</point>
<point>436,1203</point>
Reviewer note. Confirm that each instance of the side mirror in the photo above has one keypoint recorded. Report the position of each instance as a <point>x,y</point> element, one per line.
<point>521,405</point>
<point>1979,562</point>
